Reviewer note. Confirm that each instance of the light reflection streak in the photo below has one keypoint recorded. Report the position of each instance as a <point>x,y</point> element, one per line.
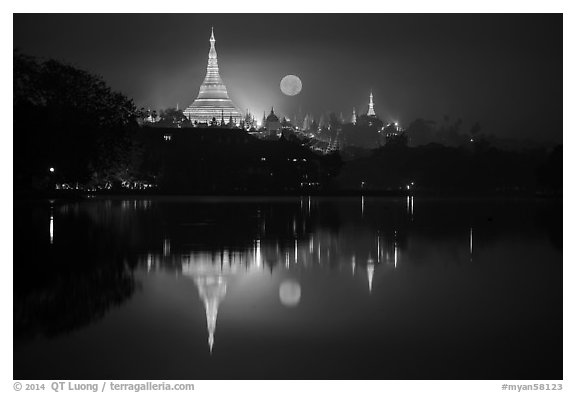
<point>378,246</point>
<point>471,243</point>
<point>295,250</point>
<point>370,271</point>
<point>51,228</point>
<point>166,247</point>
<point>395,251</point>
<point>258,254</point>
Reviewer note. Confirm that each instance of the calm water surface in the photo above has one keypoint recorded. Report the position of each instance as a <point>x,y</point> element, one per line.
<point>321,288</point>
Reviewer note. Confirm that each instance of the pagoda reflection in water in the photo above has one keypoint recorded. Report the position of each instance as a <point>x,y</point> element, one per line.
<point>211,279</point>
<point>212,271</point>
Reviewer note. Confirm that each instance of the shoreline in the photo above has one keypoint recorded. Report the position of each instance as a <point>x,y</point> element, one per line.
<point>72,195</point>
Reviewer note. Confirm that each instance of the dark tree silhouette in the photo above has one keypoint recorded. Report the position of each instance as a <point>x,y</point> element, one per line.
<point>172,117</point>
<point>69,120</point>
<point>420,132</point>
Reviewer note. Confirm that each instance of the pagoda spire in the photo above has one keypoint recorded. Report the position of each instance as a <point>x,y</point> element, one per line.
<point>212,54</point>
<point>371,105</point>
<point>353,115</point>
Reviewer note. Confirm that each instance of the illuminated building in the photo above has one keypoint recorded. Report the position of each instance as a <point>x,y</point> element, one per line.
<point>371,106</point>
<point>212,101</point>
<point>334,144</point>
<point>152,116</point>
<point>249,121</point>
<point>272,121</point>
<point>370,119</point>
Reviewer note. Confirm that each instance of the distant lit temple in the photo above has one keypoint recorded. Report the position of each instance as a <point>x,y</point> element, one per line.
<point>370,118</point>
<point>212,101</point>
<point>371,111</point>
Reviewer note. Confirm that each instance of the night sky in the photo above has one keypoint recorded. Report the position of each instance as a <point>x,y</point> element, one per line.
<point>504,71</point>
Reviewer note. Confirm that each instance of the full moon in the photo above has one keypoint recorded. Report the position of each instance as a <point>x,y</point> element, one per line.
<point>290,293</point>
<point>291,85</point>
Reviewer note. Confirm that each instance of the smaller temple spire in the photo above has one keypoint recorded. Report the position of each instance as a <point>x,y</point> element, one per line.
<point>371,105</point>
<point>353,115</point>
<point>212,39</point>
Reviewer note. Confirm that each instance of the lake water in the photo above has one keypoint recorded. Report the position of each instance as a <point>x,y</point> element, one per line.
<point>283,288</point>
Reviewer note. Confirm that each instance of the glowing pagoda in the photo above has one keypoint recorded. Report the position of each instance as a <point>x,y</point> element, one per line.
<point>212,101</point>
